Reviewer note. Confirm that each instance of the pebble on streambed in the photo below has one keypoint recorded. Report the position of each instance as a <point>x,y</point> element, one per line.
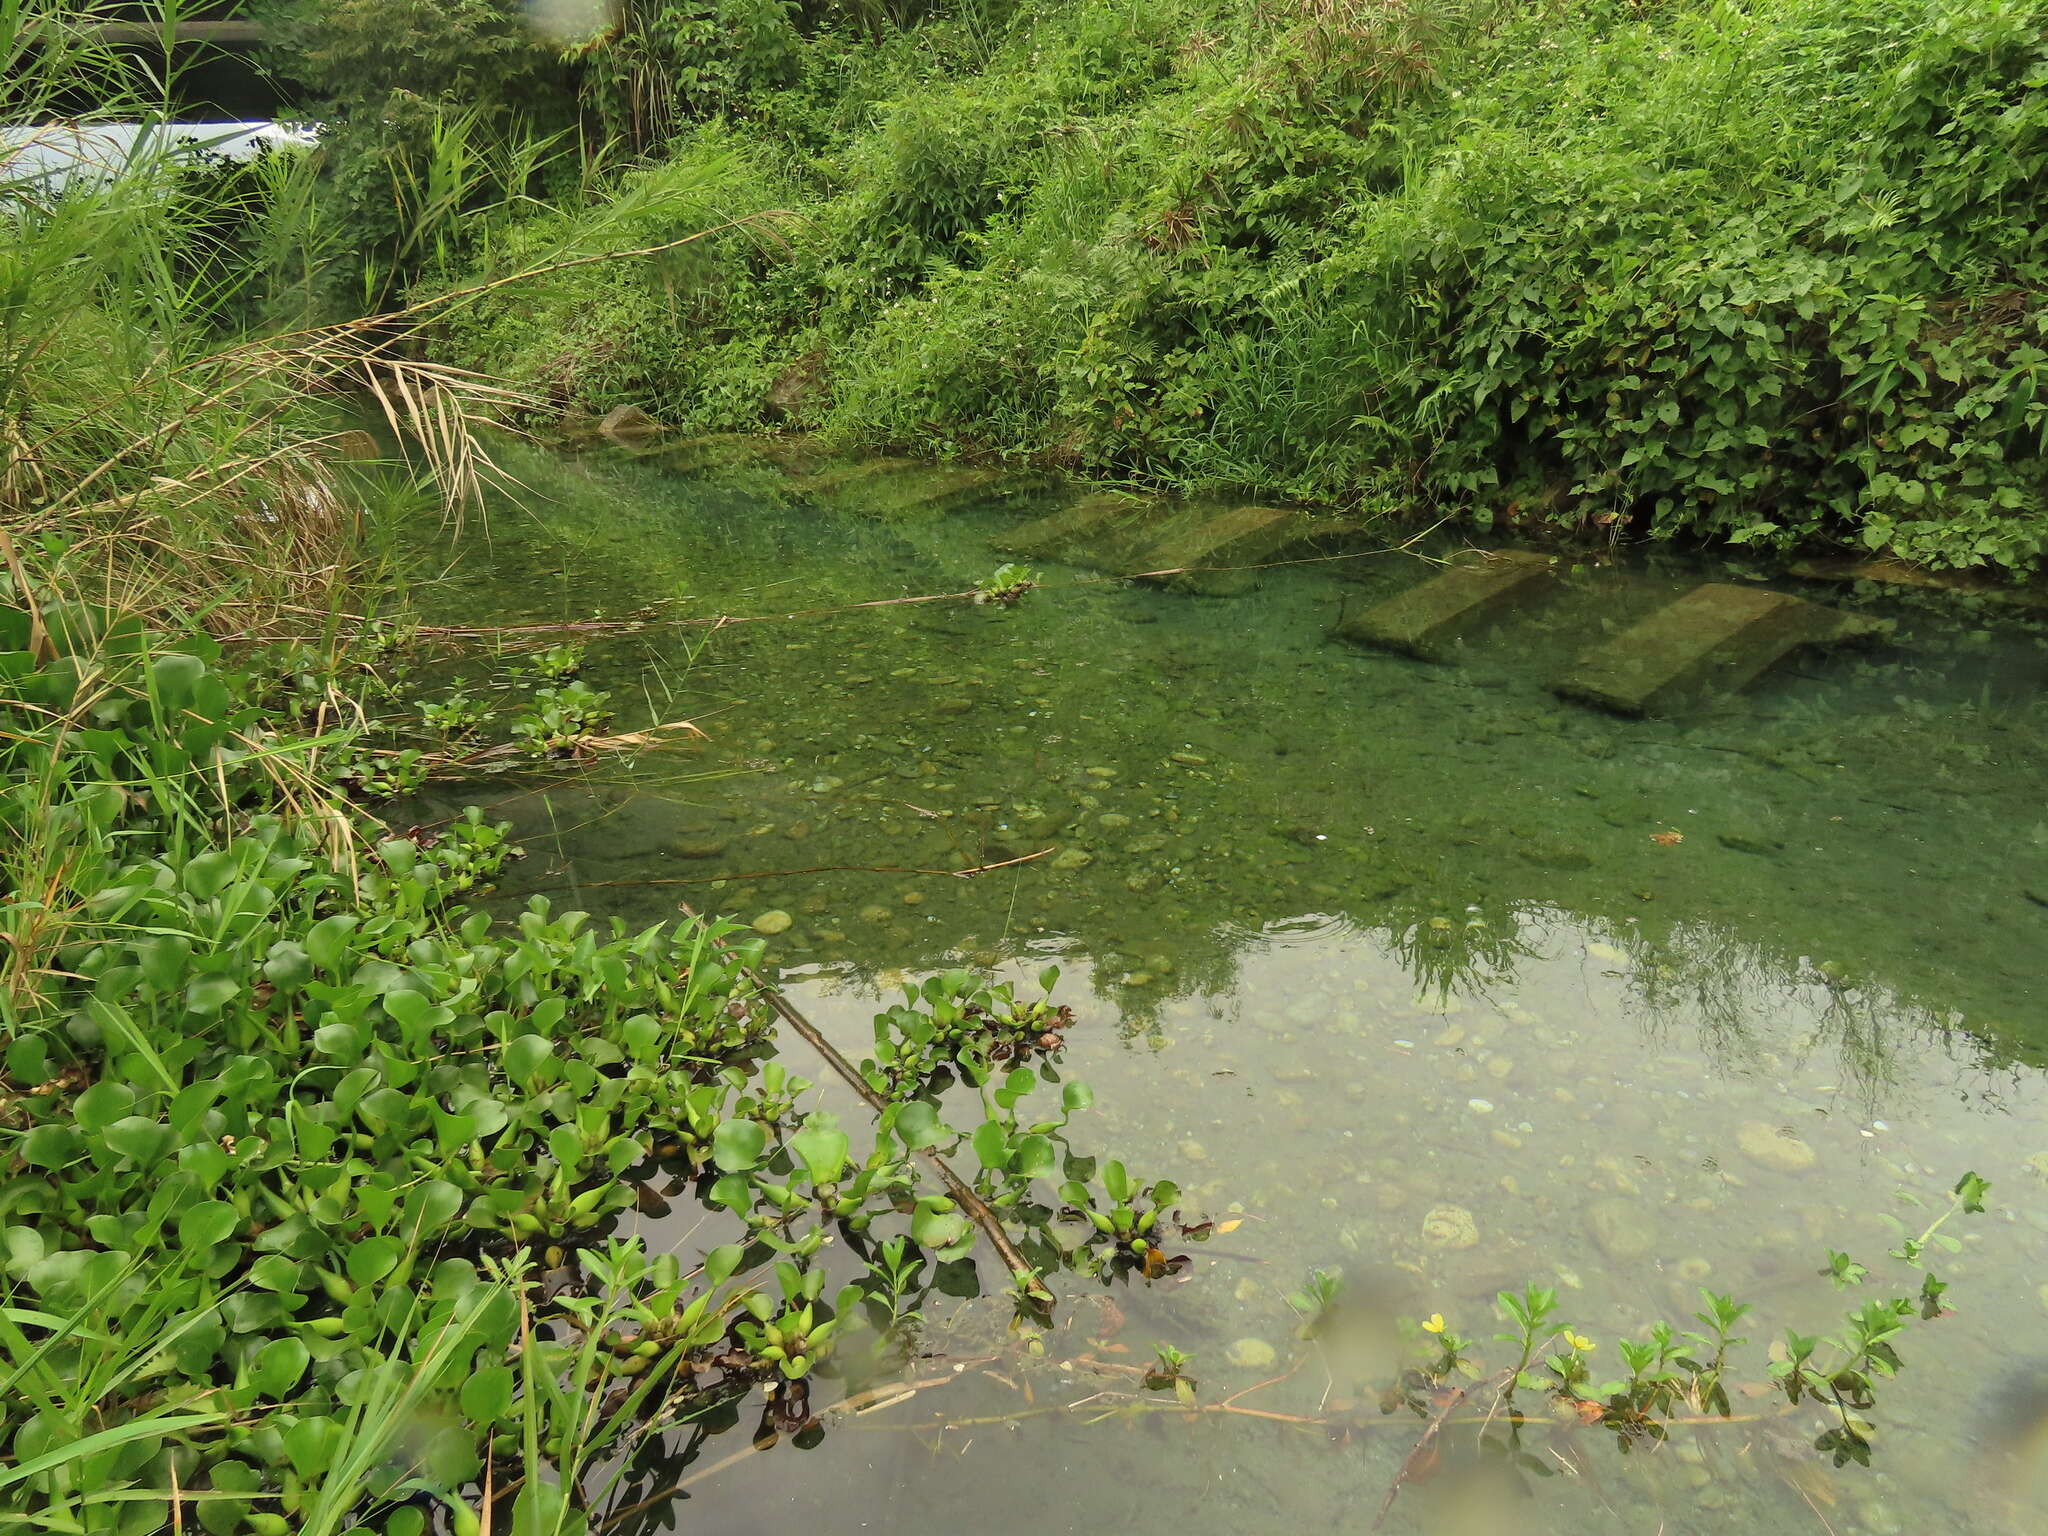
<point>1770,1147</point>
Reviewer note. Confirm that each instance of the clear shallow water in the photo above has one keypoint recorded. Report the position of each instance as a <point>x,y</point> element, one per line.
<point>1354,940</point>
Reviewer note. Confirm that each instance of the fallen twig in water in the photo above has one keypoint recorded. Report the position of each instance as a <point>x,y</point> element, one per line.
<point>968,1201</point>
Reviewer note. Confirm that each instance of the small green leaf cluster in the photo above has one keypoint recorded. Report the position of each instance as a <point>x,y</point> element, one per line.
<point>1129,1218</point>
<point>809,1176</point>
<point>1672,1371</point>
<point>558,721</point>
<point>956,1021</point>
<point>1006,585</point>
<point>792,1337</point>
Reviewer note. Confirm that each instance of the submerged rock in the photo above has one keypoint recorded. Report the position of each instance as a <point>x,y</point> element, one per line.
<point>773,922</point>
<point>1450,1227</point>
<point>1769,1147</point>
<point>697,845</point>
<point>1619,1229</point>
<point>1252,1354</point>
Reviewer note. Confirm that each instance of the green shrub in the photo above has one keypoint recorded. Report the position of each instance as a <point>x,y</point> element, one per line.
<point>1763,274</point>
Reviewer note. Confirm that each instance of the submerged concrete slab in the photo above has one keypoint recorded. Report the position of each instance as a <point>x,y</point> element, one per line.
<point>1071,533</point>
<point>717,450</point>
<point>1216,554</point>
<point>943,488</point>
<point>845,477</point>
<point>1479,586</point>
<point>1885,571</point>
<point>1716,638</point>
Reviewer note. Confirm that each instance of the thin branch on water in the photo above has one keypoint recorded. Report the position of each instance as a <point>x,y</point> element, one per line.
<point>1020,1268</point>
<point>779,874</point>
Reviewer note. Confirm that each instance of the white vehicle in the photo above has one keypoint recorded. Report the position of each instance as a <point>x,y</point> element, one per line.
<point>51,156</point>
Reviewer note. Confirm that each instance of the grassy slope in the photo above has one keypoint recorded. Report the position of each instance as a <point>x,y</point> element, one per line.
<point>1763,272</point>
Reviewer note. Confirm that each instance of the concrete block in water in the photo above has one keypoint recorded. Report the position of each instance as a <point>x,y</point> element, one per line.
<point>1212,540</point>
<point>1072,532</point>
<point>1716,638</point>
<point>1477,587</point>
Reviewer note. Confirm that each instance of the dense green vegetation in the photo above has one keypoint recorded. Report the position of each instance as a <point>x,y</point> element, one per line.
<point>1762,273</point>
<point>311,1159</point>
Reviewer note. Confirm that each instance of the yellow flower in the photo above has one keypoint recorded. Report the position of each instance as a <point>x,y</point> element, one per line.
<point>1578,1340</point>
<point>1434,1323</point>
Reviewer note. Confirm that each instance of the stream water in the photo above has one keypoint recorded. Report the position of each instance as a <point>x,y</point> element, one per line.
<point>1399,963</point>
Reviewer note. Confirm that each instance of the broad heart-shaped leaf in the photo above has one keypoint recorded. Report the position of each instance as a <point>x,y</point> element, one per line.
<point>544,1510</point>
<point>918,1125</point>
<point>737,1145</point>
<point>1035,1157</point>
<point>327,940</point>
<point>719,1263</point>
<point>102,1104</point>
<point>373,1258</point>
<point>822,1148</point>
<point>140,1139</point>
<point>1076,1096</point>
<point>288,965</point>
<point>206,1225</point>
<point>206,875</point>
<point>486,1396</point>
<point>992,1145</point>
<point>309,1443</point>
<point>526,1055</point>
<point>279,1365</point>
<point>937,1224</point>
<point>207,995</point>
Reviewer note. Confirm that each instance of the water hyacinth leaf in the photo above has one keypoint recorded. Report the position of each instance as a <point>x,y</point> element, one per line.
<point>373,1258</point>
<point>1035,1157</point>
<point>206,1225</point>
<point>487,1395</point>
<point>1048,978</point>
<point>23,1248</point>
<point>1076,1096</point>
<point>525,1056</point>
<point>163,959</point>
<point>102,1104</point>
<point>937,1224</point>
<point>1116,1181</point>
<point>207,1162</point>
<point>343,1042</point>
<point>205,996</point>
<point>737,1145</point>
<point>28,1060</point>
<point>721,1262</point>
<point>543,1509</point>
<point>288,965</point>
<point>310,1442</point>
<point>408,1008</point>
<point>206,875</point>
<point>565,1146</point>
<point>279,1366</point>
<point>49,1146</point>
<point>142,1141</point>
<point>430,1207</point>
<point>992,1145</point>
<point>642,1035</point>
<point>822,1148</point>
<point>327,940</point>
<point>918,1125</point>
